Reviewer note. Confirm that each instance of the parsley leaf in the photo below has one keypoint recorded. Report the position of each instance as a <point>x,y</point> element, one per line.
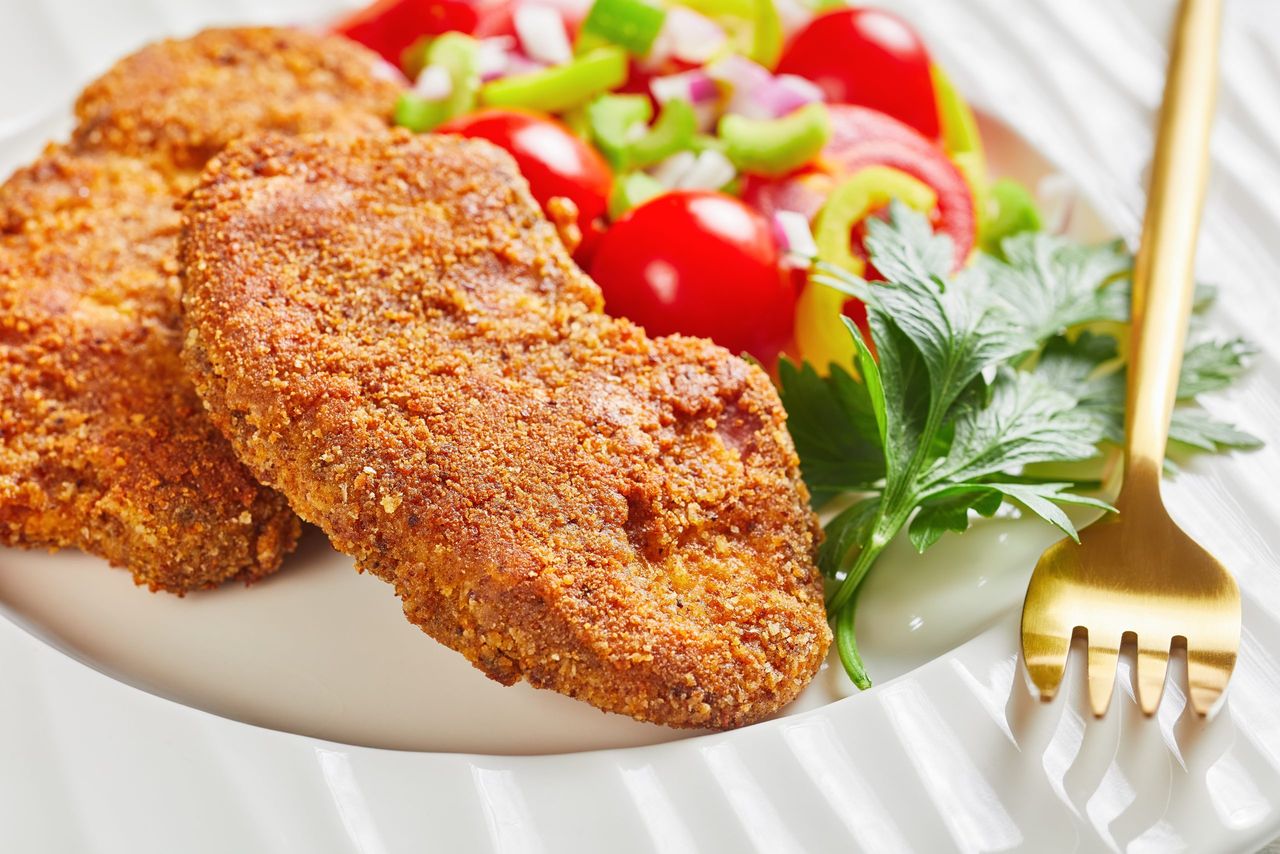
<point>1009,363</point>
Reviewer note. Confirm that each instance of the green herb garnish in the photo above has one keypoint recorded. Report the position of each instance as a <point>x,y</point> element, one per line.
<point>979,380</point>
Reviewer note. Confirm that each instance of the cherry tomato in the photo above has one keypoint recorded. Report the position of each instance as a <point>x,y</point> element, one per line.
<point>388,27</point>
<point>698,263</point>
<point>863,137</point>
<point>868,57</point>
<point>552,160</point>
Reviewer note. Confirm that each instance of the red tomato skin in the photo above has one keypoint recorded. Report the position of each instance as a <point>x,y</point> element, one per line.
<point>388,27</point>
<point>868,57</point>
<point>698,263</point>
<point>552,160</point>
<point>862,137</point>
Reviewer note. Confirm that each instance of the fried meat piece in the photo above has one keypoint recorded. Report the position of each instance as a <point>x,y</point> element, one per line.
<point>106,446</point>
<point>184,99</point>
<point>392,335</point>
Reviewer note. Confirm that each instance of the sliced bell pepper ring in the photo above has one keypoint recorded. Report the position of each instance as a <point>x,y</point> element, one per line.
<point>821,338</point>
<point>863,137</point>
<point>776,146</point>
<point>560,87</point>
<point>388,27</point>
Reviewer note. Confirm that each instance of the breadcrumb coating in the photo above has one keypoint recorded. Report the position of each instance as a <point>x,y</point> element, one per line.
<point>182,100</point>
<point>392,335</point>
<point>106,446</point>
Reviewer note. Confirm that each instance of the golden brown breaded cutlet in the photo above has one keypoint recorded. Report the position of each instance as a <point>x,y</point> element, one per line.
<point>184,99</point>
<point>106,446</point>
<point>392,335</point>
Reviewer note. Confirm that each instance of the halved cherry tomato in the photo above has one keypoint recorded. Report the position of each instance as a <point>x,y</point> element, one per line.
<point>863,137</point>
<point>868,57</point>
<point>552,160</point>
<point>698,263</point>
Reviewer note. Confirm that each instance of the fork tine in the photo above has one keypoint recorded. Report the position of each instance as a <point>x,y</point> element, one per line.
<point>1207,675</point>
<point>1104,652</point>
<point>1153,665</point>
<point>1046,657</point>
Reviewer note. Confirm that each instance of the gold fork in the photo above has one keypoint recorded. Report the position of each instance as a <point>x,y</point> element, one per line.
<point>1137,573</point>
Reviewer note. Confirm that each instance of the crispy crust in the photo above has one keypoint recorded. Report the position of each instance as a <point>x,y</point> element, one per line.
<point>106,446</point>
<point>183,100</point>
<point>392,335</point>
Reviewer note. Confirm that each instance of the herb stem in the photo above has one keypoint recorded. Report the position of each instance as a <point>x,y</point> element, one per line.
<point>847,646</point>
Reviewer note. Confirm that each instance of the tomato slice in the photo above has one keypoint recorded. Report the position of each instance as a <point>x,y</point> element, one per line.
<point>863,137</point>
<point>868,57</point>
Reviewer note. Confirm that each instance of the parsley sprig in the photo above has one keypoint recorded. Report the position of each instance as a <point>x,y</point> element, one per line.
<point>968,383</point>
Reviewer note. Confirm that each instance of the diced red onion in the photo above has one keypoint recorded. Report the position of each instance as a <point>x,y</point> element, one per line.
<point>434,83</point>
<point>711,170</point>
<point>495,56</point>
<point>518,63</point>
<point>542,33</point>
<point>690,37</point>
<point>740,73</point>
<point>791,229</point>
<point>671,171</point>
<point>692,86</point>
<point>774,98</point>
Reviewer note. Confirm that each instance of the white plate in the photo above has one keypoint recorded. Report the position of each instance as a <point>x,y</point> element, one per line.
<point>950,755</point>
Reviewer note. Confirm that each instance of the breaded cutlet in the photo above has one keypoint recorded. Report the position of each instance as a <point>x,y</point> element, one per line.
<point>106,446</point>
<point>182,100</point>
<point>392,335</point>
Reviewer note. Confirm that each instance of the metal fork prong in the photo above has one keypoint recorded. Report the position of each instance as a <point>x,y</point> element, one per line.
<point>1046,657</point>
<point>1207,675</point>
<point>1153,665</point>
<point>1104,653</point>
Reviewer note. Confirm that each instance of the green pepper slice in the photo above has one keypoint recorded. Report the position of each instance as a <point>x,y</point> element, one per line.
<point>776,146</point>
<point>560,87</point>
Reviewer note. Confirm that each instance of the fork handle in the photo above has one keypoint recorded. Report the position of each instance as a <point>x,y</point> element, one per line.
<point>1163,276</point>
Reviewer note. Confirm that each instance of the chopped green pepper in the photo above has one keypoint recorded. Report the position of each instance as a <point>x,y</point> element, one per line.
<point>612,119</point>
<point>618,125</point>
<point>632,191</point>
<point>776,146</point>
<point>460,56</point>
<point>1011,209</point>
<point>630,24</point>
<point>418,114</point>
<point>560,87</point>
<point>672,132</point>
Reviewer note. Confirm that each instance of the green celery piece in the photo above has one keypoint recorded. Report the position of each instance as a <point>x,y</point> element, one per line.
<point>672,132</point>
<point>560,87</point>
<point>766,33</point>
<point>612,118</point>
<point>418,114</point>
<point>631,191</point>
<point>774,147</point>
<point>459,54</point>
<point>754,26</point>
<point>630,24</point>
<point>1011,210</point>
